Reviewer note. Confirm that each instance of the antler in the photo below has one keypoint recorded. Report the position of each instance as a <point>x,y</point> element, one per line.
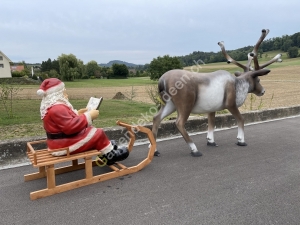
<point>252,55</point>
<point>231,60</point>
<point>277,58</point>
<point>264,33</point>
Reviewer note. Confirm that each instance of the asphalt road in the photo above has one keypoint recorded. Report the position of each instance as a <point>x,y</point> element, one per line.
<point>229,184</point>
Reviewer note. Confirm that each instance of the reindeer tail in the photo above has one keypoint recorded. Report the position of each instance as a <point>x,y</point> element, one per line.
<point>161,91</point>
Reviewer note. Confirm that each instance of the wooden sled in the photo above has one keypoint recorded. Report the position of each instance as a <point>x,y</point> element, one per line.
<point>45,162</point>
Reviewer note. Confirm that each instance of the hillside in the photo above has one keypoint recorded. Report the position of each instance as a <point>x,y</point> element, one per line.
<point>279,44</point>
<point>110,63</point>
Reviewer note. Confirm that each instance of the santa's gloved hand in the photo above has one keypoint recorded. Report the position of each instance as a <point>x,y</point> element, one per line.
<point>81,111</point>
<point>94,113</point>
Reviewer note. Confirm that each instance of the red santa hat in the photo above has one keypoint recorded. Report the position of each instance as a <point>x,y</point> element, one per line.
<point>50,86</point>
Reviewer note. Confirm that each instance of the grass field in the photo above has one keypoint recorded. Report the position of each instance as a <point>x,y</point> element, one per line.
<point>282,89</point>
<point>27,121</point>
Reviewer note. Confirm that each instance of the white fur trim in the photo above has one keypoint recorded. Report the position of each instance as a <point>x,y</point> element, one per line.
<point>61,153</point>
<point>40,92</point>
<point>56,88</point>
<point>89,118</point>
<point>79,144</point>
<point>107,149</point>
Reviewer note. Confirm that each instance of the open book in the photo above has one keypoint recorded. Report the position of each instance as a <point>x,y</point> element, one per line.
<point>94,103</point>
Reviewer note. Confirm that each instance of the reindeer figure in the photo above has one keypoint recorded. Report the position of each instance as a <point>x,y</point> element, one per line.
<point>190,92</point>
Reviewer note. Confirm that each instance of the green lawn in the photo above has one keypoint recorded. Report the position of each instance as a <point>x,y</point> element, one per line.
<point>90,83</point>
<point>139,81</point>
<point>27,123</point>
<point>27,111</point>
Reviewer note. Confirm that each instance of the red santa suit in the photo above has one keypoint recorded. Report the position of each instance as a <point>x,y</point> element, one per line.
<point>64,127</point>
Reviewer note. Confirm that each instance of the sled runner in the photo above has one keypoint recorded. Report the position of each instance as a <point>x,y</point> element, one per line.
<point>45,162</point>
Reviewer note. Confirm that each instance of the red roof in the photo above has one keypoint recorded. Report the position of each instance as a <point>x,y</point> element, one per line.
<point>18,68</point>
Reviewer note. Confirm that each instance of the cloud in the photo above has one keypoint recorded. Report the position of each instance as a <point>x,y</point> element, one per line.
<point>137,31</point>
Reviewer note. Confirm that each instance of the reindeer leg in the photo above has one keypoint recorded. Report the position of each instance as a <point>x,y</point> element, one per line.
<point>210,132</point>
<point>180,122</point>
<point>240,121</point>
<point>164,111</point>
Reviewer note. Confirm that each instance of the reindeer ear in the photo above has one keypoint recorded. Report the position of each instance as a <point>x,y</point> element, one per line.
<point>237,73</point>
<point>261,72</point>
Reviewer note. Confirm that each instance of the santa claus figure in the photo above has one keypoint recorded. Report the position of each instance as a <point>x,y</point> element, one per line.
<point>67,127</point>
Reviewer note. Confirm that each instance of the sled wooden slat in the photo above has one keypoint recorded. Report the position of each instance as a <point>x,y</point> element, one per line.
<point>45,162</point>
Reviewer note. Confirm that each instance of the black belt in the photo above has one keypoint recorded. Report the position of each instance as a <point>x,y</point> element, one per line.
<point>59,135</point>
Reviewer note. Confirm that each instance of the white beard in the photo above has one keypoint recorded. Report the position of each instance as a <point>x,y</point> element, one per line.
<point>53,99</point>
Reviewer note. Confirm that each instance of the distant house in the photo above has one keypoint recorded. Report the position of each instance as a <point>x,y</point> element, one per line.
<point>5,71</point>
<point>18,68</point>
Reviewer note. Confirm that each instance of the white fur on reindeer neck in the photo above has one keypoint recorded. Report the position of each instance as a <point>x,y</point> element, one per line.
<point>242,88</point>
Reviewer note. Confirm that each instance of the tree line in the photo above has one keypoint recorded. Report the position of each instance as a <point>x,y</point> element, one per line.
<point>68,67</point>
<point>286,43</point>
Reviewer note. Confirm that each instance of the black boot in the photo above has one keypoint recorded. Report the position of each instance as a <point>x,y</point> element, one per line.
<point>115,155</point>
<point>114,144</point>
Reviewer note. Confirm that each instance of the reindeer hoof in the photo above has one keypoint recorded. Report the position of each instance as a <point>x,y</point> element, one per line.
<point>157,153</point>
<point>212,144</point>
<point>196,154</point>
<point>241,144</point>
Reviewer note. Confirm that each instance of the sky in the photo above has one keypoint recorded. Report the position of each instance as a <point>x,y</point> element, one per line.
<point>137,31</point>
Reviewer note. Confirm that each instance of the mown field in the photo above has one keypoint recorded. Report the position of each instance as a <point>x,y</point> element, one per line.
<point>282,86</point>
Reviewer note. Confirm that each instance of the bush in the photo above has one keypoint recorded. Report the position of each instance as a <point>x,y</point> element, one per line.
<point>7,93</point>
<point>16,74</point>
<point>34,77</point>
<point>293,52</point>
<point>120,71</point>
<point>160,65</point>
